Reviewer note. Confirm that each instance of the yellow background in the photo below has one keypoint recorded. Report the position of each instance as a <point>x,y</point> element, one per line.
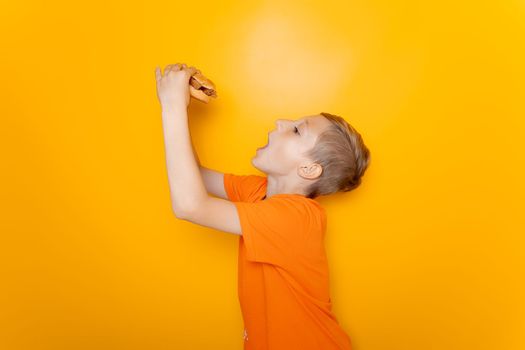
<point>427,254</point>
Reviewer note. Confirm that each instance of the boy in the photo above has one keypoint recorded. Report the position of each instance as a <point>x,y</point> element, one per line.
<point>283,272</point>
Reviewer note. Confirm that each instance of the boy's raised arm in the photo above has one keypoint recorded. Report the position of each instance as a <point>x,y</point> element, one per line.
<point>187,189</point>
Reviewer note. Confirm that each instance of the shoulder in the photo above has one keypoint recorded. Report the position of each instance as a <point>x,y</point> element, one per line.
<point>245,188</point>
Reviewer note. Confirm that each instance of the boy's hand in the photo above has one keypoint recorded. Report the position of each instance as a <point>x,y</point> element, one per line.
<point>173,88</point>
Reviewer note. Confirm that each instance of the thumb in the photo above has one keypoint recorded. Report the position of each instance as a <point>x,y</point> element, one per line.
<point>158,73</point>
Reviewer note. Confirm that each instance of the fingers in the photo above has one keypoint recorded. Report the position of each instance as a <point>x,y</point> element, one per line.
<point>175,67</point>
<point>169,68</point>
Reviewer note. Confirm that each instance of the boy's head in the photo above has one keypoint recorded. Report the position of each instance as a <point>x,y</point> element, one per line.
<point>320,154</point>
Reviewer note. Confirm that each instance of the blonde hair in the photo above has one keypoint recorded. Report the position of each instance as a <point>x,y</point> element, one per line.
<point>341,152</point>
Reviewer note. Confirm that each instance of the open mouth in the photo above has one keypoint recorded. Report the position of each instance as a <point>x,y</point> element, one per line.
<point>267,143</point>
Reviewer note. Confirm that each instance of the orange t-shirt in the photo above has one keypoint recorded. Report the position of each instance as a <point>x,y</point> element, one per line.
<point>283,272</point>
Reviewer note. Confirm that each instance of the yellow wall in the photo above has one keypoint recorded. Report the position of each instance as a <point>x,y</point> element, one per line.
<point>427,254</point>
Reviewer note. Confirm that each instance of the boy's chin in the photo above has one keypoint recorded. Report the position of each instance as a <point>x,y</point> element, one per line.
<point>257,164</point>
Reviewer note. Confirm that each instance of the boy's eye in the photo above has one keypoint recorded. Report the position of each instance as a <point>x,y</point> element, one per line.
<point>296,130</point>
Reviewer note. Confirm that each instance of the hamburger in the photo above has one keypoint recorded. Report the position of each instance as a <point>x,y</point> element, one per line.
<point>202,88</point>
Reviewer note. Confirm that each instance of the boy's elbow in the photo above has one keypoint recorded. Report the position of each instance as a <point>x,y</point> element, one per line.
<point>180,213</point>
<point>184,211</point>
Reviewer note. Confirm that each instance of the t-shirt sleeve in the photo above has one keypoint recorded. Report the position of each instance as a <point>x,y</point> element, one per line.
<point>275,231</point>
<point>242,187</point>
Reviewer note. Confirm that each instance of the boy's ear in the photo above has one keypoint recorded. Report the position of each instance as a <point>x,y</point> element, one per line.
<point>311,171</point>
